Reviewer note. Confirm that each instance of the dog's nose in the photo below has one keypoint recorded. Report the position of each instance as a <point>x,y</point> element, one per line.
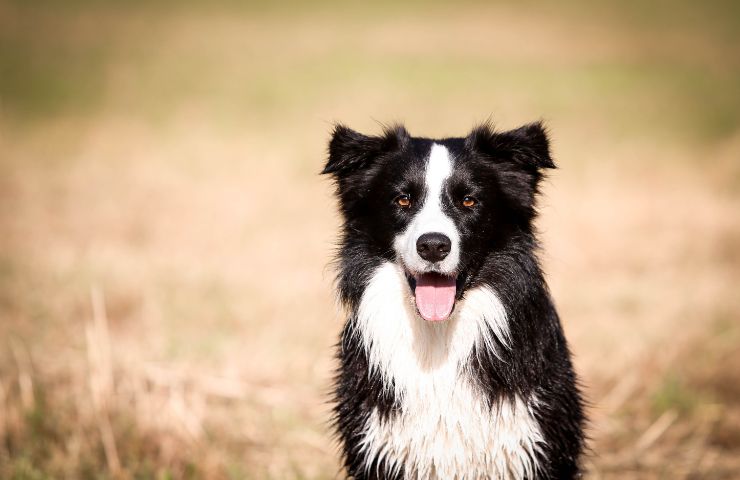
<point>433,247</point>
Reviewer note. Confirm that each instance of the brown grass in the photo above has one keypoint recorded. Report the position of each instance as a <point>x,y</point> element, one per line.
<point>165,302</point>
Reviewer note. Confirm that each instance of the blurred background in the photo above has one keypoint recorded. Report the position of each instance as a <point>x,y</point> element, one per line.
<point>166,308</point>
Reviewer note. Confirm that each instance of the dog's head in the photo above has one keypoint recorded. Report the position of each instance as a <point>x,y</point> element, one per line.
<point>438,208</point>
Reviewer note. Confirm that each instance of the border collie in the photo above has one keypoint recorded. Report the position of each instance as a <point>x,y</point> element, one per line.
<point>453,363</point>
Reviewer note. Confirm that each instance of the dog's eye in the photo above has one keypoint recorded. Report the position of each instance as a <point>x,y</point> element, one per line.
<point>469,201</point>
<point>403,200</point>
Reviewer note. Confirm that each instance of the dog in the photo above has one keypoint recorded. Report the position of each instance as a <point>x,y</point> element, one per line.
<point>452,362</point>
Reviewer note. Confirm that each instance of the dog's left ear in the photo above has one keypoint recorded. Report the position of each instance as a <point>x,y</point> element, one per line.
<point>526,146</point>
<point>519,155</point>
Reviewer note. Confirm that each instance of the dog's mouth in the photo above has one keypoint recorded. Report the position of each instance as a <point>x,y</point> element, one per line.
<point>434,294</point>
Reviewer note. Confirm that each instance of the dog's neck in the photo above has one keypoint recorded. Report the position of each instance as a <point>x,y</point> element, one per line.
<point>442,416</point>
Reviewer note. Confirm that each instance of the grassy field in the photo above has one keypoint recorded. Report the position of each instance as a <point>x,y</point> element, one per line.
<point>165,302</point>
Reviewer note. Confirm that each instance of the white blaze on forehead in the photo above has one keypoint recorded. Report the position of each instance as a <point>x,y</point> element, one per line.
<point>439,168</point>
<point>431,217</point>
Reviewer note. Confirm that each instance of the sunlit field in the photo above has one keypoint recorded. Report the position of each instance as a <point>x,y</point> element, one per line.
<point>166,305</point>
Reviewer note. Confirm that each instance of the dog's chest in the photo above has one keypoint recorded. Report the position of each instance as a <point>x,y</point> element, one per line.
<point>444,427</point>
<point>448,432</point>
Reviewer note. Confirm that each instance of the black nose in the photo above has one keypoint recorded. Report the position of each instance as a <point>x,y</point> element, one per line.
<point>433,247</point>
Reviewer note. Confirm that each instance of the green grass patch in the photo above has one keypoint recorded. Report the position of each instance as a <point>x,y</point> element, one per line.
<point>675,394</point>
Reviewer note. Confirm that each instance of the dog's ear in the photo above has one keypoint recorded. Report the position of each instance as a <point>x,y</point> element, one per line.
<point>519,156</point>
<point>350,151</point>
<point>526,146</point>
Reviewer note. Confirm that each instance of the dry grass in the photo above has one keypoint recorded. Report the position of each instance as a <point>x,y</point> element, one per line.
<point>165,305</point>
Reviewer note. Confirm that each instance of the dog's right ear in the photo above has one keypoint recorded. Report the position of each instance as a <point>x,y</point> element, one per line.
<point>350,151</point>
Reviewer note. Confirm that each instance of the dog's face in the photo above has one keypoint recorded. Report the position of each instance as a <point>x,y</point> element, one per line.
<point>438,208</point>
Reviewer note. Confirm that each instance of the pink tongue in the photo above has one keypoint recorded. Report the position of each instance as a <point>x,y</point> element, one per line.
<point>435,296</point>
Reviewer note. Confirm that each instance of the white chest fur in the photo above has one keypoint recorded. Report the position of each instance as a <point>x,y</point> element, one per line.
<point>444,428</point>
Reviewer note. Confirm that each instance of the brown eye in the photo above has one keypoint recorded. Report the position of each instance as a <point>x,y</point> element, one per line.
<point>403,200</point>
<point>469,202</point>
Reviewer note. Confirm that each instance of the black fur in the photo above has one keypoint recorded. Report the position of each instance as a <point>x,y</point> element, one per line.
<point>502,170</point>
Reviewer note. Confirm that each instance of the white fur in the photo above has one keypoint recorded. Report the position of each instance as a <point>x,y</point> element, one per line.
<point>444,428</point>
<point>431,218</point>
